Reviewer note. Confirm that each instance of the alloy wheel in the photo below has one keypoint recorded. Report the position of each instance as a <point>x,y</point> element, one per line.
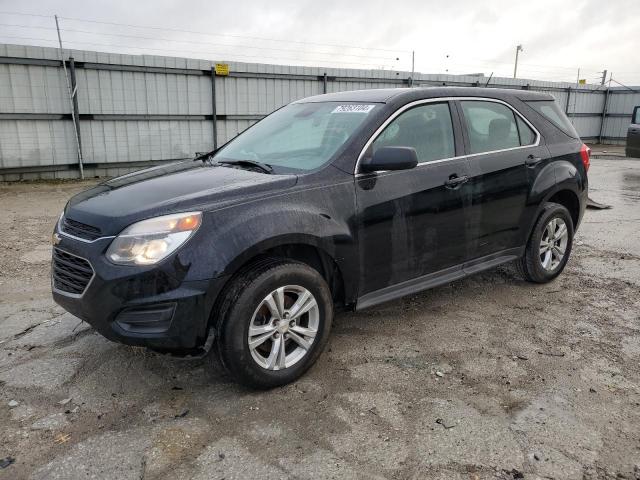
<point>553,243</point>
<point>283,327</point>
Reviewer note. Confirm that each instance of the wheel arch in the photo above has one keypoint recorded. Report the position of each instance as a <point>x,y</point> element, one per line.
<point>570,200</point>
<point>302,248</point>
<point>563,195</point>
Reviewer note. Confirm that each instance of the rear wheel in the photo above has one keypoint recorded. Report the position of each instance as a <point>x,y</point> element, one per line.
<point>275,321</point>
<point>549,246</point>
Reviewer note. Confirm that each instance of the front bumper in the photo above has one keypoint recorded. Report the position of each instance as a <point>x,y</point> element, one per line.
<point>156,307</point>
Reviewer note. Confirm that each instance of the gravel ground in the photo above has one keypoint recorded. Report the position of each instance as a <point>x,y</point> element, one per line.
<point>488,377</point>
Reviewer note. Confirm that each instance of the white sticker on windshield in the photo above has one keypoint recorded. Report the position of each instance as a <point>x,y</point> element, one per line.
<point>353,108</point>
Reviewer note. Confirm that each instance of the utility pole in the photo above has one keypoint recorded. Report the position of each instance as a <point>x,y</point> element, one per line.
<point>76,126</point>
<point>413,65</point>
<point>515,68</point>
<point>604,77</point>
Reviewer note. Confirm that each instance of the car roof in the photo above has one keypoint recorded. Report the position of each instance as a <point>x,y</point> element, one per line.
<point>386,95</point>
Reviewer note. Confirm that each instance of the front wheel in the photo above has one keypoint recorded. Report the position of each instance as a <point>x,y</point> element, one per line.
<point>275,321</point>
<point>549,246</point>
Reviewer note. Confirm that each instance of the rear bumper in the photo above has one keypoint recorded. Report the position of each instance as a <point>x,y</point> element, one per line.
<point>584,197</point>
<point>157,307</point>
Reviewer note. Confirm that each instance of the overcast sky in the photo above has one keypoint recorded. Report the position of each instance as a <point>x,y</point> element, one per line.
<point>455,36</point>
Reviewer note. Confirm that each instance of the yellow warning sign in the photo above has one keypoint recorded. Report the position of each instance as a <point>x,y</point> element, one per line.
<point>222,69</point>
<point>582,81</point>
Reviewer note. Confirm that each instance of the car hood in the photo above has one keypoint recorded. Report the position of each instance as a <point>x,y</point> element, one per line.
<point>113,205</point>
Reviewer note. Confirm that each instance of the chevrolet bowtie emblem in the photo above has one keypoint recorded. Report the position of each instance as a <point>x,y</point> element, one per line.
<point>56,239</point>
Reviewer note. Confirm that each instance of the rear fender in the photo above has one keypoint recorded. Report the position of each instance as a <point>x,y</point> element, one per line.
<point>555,177</point>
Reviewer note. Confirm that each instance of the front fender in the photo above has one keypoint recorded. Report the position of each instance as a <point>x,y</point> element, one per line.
<point>254,250</point>
<point>317,217</point>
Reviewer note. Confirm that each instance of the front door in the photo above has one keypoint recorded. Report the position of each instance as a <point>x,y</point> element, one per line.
<point>412,222</point>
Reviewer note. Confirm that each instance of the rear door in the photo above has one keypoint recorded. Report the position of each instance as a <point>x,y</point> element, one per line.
<point>504,155</point>
<point>633,135</point>
<point>412,222</point>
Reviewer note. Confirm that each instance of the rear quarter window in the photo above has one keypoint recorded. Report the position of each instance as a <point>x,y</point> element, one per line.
<point>550,110</point>
<point>527,136</point>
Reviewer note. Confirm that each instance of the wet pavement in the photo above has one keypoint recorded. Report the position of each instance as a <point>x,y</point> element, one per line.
<point>487,377</point>
<point>607,151</point>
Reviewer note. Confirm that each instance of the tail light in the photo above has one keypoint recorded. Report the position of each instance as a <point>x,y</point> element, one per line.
<point>585,155</point>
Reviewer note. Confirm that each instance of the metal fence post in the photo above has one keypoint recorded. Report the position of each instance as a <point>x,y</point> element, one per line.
<point>74,98</point>
<point>214,118</point>
<point>604,115</point>
<point>71,95</point>
<point>324,83</point>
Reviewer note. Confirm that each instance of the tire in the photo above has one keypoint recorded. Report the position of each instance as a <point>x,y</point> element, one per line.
<point>249,302</point>
<point>542,268</point>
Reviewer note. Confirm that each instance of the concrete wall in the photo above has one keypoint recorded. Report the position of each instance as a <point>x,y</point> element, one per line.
<point>140,110</point>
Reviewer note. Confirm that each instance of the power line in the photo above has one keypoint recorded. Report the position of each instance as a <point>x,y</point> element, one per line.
<point>199,52</point>
<point>227,44</point>
<point>26,14</point>
<point>510,64</point>
<point>150,27</point>
<point>524,68</point>
<point>197,42</point>
<point>547,71</point>
<point>476,62</point>
<point>623,85</point>
<point>231,35</point>
<point>26,26</point>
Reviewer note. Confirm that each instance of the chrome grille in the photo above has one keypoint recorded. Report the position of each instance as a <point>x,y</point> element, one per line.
<point>70,274</point>
<point>80,230</point>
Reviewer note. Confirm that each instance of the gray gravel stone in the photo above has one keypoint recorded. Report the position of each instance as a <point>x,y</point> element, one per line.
<point>55,421</point>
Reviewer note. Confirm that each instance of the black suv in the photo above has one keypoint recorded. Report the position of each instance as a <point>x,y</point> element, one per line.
<point>344,200</point>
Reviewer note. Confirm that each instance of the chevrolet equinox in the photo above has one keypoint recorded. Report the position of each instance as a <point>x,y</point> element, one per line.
<point>337,201</point>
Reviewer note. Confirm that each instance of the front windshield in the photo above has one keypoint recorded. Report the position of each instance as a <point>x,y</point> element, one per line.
<point>300,136</point>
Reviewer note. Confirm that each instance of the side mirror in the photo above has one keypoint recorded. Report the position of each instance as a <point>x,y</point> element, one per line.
<point>390,158</point>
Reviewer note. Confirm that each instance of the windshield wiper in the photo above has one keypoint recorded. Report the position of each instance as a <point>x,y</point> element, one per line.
<point>265,167</point>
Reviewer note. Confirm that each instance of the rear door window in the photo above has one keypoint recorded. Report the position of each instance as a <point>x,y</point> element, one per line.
<point>427,128</point>
<point>491,126</point>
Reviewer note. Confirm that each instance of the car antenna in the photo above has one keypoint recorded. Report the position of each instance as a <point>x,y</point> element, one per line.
<point>490,77</point>
<point>205,156</point>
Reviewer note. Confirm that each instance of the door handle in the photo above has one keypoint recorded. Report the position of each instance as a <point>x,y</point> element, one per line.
<point>532,161</point>
<point>455,181</point>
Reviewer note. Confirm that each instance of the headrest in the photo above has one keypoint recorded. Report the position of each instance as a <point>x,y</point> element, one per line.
<point>499,128</point>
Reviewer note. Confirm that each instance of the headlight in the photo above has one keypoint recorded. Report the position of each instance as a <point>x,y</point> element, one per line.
<point>149,241</point>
